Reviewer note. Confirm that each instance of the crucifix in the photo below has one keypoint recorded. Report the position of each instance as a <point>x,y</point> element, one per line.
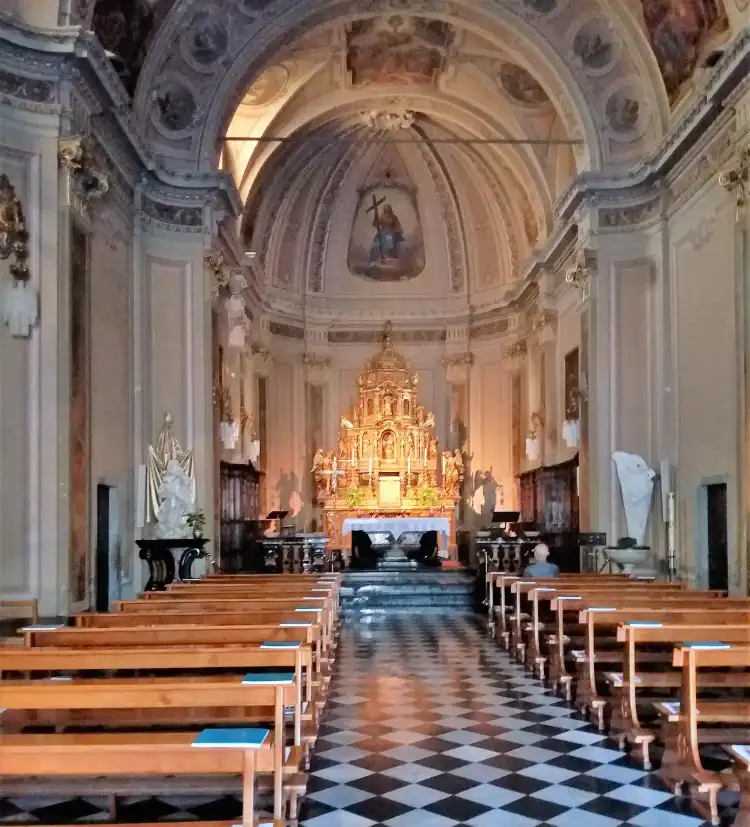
<point>374,209</point>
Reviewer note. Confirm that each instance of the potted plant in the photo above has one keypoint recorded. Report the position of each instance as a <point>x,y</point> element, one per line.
<point>196,520</point>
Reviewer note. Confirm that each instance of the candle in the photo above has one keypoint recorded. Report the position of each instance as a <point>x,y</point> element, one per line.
<point>408,465</point>
<point>371,465</point>
<point>443,464</point>
<point>425,456</point>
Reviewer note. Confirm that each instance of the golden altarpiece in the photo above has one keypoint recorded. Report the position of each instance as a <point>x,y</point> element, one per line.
<point>388,463</point>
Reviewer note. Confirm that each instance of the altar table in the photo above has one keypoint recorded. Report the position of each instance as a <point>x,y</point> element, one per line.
<point>397,525</point>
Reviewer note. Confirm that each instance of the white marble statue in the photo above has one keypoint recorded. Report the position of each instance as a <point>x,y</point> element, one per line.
<point>177,501</point>
<point>637,484</point>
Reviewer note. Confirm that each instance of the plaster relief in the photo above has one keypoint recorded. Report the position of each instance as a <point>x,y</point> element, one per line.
<point>521,85</point>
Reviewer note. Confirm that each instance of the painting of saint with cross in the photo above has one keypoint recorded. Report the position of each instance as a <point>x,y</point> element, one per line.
<point>386,242</point>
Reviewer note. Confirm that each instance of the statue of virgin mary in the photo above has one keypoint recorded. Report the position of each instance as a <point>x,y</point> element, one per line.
<point>168,467</point>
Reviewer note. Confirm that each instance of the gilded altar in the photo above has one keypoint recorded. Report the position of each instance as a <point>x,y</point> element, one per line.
<point>388,461</point>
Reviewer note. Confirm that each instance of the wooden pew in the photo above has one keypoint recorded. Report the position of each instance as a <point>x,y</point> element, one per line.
<point>155,700</point>
<point>681,762</point>
<point>182,591</point>
<point>196,620</point>
<point>220,611</point>
<point>31,662</point>
<point>626,721</point>
<point>190,636</point>
<point>740,755</point>
<point>540,594</point>
<point>567,630</point>
<point>135,754</point>
<point>501,582</point>
<point>600,620</point>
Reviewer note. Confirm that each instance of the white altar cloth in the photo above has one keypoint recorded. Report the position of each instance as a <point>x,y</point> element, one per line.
<point>396,525</point>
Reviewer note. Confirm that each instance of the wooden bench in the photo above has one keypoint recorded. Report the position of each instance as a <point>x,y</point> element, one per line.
<point>135,754</point>
<point>254,607</point>
<point>163,636</point>
<point>149,701</point>
<point>539,595</point>
<point>629,686</point>
<point>570,632</point>
<point>685,721</point>
<point>48,661</point>
<point>231,613</point>
<point>502,583</point>
<point>740,755</point>
<point>601,625</point>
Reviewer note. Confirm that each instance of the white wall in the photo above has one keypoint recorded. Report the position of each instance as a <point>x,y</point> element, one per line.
<point>33,385</point>
<point>111,376</point>
<point>707,287</point>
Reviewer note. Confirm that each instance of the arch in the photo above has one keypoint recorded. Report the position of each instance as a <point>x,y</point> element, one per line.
<point>260,37</point>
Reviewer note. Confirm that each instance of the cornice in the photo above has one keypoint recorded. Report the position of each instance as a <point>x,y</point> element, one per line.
<point>728,74</point>
<point>74,55</point>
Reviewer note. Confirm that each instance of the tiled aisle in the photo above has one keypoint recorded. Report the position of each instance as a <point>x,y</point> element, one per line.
<point>430,725</point>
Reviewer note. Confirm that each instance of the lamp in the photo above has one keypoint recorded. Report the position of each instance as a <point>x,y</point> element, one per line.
<point>533,444</point>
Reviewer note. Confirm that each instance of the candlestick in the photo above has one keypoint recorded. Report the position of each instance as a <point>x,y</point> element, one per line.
<point>371,465</point>
<point>408,465</point>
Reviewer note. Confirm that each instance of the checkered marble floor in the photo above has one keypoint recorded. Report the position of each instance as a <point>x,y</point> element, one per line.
<point>430,725</point>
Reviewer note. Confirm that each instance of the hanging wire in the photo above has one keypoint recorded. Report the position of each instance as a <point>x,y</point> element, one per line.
<point>326,139</point>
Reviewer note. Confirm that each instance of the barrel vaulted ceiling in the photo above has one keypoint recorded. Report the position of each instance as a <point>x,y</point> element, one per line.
<point>492,105</point>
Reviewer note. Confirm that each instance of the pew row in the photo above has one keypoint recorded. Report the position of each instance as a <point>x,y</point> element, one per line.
<point>693,721</point>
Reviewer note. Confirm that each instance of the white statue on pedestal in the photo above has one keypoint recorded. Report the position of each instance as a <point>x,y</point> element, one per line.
<point>178,500</point>
<point>170,476</point>
<point>637,484</point>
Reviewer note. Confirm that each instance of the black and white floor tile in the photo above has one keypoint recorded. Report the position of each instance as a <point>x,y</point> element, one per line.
<point>430,725</point>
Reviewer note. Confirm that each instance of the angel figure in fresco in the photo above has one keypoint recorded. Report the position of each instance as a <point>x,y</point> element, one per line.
<point>389,235</point>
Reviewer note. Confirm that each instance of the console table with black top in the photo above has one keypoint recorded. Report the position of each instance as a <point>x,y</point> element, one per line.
<point>159,554</point>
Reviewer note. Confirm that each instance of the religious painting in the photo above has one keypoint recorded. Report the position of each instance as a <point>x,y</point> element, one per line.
<point>572,390</point>
<point>386,241</point>
<point>79,416</point>
<point>680,31</point>
<point>397,50</point>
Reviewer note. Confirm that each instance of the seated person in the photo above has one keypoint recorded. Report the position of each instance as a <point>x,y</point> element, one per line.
<point>540,567</point>
<point>363,554</point>
<point>428,550</point>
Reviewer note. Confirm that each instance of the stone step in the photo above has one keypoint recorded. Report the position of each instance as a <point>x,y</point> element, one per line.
<point>374,591</point>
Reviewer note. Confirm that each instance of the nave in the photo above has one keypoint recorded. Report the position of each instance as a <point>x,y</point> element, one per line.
<point>430,724</point>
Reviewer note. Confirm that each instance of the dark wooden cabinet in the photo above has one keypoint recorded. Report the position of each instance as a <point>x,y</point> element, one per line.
<point>239,516</point>
<point>548,497</point>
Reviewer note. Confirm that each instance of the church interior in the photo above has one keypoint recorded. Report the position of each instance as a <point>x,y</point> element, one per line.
<point>377,378</point>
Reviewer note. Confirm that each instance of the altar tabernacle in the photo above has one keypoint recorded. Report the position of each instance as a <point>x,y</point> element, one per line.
<point>388,464</point>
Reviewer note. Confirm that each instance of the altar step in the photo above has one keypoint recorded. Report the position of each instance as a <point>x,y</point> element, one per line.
<point>388,591</point>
